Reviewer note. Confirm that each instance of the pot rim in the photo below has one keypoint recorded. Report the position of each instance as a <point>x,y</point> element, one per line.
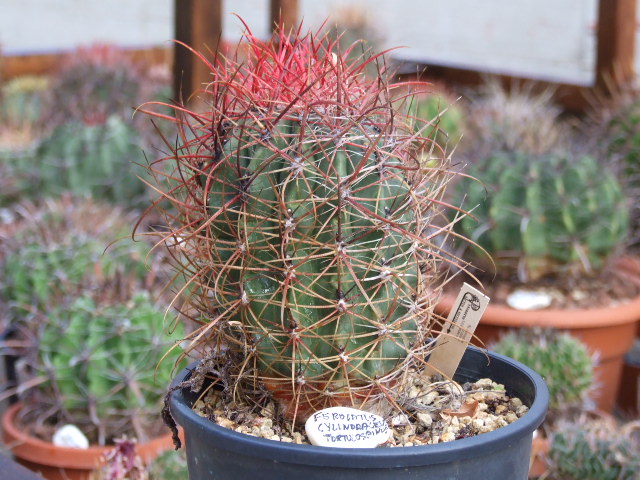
<point>38,451</point>
<point>419,455</point>
<point>574,318</point>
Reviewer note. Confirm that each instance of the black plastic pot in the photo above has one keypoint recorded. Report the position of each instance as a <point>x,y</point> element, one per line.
<point>214,452</point>
<point>9,358</point>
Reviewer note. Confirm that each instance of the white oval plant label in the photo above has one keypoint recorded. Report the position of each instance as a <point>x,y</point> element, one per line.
<point>347,428</point>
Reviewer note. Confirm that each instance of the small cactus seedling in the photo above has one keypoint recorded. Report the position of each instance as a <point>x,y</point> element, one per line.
<point>562,360</point>
<point>305,223</point>
<point>543,215</point>
<point>102,366</point>
<point>123,463</point>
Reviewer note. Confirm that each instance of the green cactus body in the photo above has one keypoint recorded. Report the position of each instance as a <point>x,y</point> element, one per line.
<point>443,118</point>
<point>101,361</point>
<point>303,211</point>
<point>551,213</point>
<point>308,252</point>
<point>593,450</point>
<point>87,160</point>
<point>563,361</point>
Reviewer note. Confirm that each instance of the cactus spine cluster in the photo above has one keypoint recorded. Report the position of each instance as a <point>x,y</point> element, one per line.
<point>541,215</point>
<point>100,362</point>
<point>304,221</point>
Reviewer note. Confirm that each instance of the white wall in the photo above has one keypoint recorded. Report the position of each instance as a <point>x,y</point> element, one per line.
<point>48,26</point>
<point>545,39</point>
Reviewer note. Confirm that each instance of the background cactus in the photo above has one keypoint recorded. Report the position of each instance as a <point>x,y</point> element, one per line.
<point>595,450</point>
<point>21,102</point>
<point>445,116</point>
<point>562,360</point>
<point>305,222</point>
<point>513,118</point>
<point>541,215</point>
<point>99,362</point>
<point>619,136</point>
<point>63,247</point>
<point>97,160</point>
<point>102,81</point>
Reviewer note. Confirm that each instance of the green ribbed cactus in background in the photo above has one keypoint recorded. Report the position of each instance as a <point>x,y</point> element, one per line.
<point>542,215</point>
<point>562,360</point>
<point>61,248</point>
<point>305,222</point>
<point>21,101</point>
<point>97,160</point>
<point>444,116</point>
<point>620,136</point>
<point>100,365</point>
<point>595,450</point>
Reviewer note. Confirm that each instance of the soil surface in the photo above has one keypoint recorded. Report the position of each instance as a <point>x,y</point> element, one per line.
<point>433,411</point>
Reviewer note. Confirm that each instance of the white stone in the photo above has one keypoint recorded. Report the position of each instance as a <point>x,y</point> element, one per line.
<point>425,419</point>
<point>529,300</point>
<point>347,428</point>
<point>70,436</point>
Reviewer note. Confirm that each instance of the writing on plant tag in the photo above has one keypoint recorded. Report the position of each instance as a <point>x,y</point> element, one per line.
<point>347,428</point>
<point>457,332</point>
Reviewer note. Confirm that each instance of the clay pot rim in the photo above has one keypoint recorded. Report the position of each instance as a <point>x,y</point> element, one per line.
<point>34,450</point>
<point>618,313</point>
<point>574,318</point>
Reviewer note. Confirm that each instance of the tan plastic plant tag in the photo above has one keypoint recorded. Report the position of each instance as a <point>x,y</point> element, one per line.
<point>461,323</point>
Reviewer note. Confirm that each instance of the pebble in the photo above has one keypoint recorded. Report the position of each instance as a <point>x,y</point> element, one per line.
<point>70,436</point>
<point>347,428</point>
<point>529,300</point>
<point>425,419</point>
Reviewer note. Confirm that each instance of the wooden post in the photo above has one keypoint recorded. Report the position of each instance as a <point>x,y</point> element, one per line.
<point>198,23</point>
<point>285,12</point>
<point>616,43</point>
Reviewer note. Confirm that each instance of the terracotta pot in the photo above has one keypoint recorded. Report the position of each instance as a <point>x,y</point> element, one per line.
<point>539,451</point>
<point>630,269</point>
<point>60,463</point>
<point>608,332</point>
<point>629,393</point>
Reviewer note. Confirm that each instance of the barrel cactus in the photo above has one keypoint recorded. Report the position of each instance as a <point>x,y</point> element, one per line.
<point>543,215</point>
<point>61,248</point>
<point>304,222</point>
<point>562,360</point>
<point>445,117</point>
<point>102,366</point>
<point>619,134</point>
<point>595,450</point>
<point>98,160</point>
